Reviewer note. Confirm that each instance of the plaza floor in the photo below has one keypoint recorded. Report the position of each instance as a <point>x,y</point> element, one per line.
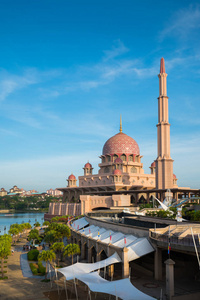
<point>21,284</point>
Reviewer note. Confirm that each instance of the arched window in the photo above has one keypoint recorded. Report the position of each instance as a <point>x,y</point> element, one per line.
<point>130,158</point>
<point>108,158</point>
<point>115,156</point>
<point>133,170</point>
<point>106,170</point>
<point>103,159</point>
<point>137,159</point>
<point>123,157</point>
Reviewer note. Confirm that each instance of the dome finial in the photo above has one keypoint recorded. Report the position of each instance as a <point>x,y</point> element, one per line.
<point>120,128</point>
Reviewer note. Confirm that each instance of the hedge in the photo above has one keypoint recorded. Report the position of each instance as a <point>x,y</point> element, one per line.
<point>33,254</point>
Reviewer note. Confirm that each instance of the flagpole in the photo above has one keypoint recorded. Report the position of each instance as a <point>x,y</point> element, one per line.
<point>169,247</point>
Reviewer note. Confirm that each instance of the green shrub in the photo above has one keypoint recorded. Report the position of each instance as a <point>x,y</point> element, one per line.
<point>37,269</point>
<point>33,254</point>
<point>41,268</point>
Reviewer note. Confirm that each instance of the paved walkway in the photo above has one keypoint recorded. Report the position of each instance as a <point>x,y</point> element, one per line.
<point>19,287</point>
<point>26,270</point>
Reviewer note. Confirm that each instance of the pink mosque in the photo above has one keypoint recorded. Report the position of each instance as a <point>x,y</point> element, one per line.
<point>121,180</point>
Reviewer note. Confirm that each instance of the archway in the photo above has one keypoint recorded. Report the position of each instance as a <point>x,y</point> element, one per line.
<point>94,254</point>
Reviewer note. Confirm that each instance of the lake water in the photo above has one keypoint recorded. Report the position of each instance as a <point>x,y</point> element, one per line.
<point>7,219</point>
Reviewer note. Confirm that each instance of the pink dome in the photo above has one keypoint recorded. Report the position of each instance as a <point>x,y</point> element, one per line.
<point>117,172</point>
<point>153,165</point>
<point>119,144</point>
<point>71,177</point>
<point>174,176</point>
<point>118,160</point>
<point>88,165</point>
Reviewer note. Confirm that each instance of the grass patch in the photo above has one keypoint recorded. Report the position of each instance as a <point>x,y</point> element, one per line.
<point>5,277</point>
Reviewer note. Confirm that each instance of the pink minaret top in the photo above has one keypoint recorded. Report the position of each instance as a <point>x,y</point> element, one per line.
<point>162,65</point>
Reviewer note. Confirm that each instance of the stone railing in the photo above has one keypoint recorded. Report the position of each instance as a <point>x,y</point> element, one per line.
<point>174,240</point>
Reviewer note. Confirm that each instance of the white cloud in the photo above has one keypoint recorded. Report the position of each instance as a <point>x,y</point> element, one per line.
<point>117,49</point>
<point>182,23</point>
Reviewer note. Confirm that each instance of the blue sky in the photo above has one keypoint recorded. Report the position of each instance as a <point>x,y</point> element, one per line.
<point>68,69</point>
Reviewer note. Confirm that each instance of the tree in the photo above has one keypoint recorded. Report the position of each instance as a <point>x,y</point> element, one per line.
<point>64,231</point>
<point>33,235</point>
<point>57,248</point>
<point>51,237</point>
<point>37,224</point>
<point>46,223</point>
<point>47,256</point>
<point>5,247</point>
<point>71,249</point>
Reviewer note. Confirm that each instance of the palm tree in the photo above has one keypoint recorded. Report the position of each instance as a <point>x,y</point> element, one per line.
<point>57,248</point>
<point>71,249</point>
<point>47,256</point>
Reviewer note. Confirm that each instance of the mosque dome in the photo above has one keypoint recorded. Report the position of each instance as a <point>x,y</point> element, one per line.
<point>119,144</point>
<point>117,172</point>
<point>88,165</point>
<point>174,176</point>
<point>71,177</point>
<point>153,165</point>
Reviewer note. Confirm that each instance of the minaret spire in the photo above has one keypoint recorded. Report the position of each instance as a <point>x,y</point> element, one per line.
<point>164,163</point>
<point>162,65</point>
<point>120,128</point>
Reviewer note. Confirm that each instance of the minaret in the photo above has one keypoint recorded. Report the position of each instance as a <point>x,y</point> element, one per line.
<point>164,163</point>
<point>120,127</point>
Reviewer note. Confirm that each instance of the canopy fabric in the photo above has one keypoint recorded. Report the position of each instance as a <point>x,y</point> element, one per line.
<point>116,236</point>
<point>129,239</point>
<point>121,288</point>
<point>80,223</point>
<point>138,248</point>
<point>87,230</point>
<point>73,271</point>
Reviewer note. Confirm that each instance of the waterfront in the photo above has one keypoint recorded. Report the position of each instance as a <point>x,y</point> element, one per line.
<point>7,219</point>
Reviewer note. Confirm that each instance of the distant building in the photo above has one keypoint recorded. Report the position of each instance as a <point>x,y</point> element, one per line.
<point>3,192</point>
<point>16,190</point>
<point>54,193</point>
<point>30,193</point>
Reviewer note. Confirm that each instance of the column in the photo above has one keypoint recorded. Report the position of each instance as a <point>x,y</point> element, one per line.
<point>136,198</point>
<point>125,263</point>
<point>89,251</point>
<point>169,278</point>
<point>111,271</point>
<point>98,251</point>
<point>148,198</point>
<point>158,264</point>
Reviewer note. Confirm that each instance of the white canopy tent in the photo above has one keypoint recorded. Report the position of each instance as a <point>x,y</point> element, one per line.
<point>138,248</point>
<point>80,223</point>
<point>121,288</point>
<point>77,269</point>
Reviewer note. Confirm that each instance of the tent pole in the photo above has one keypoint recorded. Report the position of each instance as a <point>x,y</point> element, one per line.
<point>75,289</point>
<point>195,247</point>
<point>89,294</point>
<point>116,292</point>
<point>161,294</point>
<point>65,289</point>
<point>57,281</point>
